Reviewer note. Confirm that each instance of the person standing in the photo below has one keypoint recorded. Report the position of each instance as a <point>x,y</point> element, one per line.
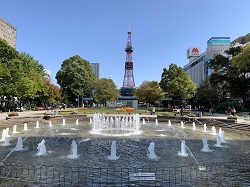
<point>181,111</point>
<point>229,110</point>
<point>233,111</point>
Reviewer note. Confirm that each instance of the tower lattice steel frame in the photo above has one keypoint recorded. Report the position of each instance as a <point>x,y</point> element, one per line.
<point>128,81</point>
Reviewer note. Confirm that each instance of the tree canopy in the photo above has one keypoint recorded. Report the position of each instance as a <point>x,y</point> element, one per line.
<point>105,89</point>
<point>176,83</point>
<point>75,78</point>
<point>230,74</point>
<point>21,77</point>
<point>148,92</point>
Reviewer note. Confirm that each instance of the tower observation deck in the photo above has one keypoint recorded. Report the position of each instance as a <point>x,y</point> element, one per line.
<point>128,81</point>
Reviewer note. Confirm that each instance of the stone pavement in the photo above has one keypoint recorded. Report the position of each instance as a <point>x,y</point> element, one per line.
<point>23,114</point>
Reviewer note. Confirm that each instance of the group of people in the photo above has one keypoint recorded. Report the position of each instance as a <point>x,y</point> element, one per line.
<point>179,110</point>
<point>231,111</point>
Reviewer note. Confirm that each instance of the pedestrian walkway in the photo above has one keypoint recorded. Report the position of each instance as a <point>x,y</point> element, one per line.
<point>26,113</point>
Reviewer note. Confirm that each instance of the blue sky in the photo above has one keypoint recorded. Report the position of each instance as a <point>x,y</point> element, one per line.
<point>162,30</point>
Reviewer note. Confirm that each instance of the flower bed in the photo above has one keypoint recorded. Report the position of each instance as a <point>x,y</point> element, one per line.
<point>61,111</point>
<point>13,114</point>
<point>126,108</point>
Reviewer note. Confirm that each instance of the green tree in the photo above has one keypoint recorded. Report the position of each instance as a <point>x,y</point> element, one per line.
<point>75,78</point>
<point>219,78</point>
<point>28,88</point>
<point>21,76</point>
<point>149,92</point>
<point>241,72</point>
<point>7,52</point>
<point>230,74</point>
<point>176,83</point>
<point>207,94</point>
<point>105,89</point>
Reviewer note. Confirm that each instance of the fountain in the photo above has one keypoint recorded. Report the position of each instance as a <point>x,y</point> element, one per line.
<point>25,128</point>
<point>14,129</point>
<point>151,152</point>
<point>19,145</point>
<point>205,146</point>
<point>113,152</point>
<point>213,130</point>
<point>223,137</point>
<point>90,121</point>
<point>119,126</point>
<point>194,127</point>
<point>218,141</point>
<point>63,122</point>
<point>7,132</point>
<point>73,151</point>
<point>143,121</point>
<point>37,124</point>
<point>169,123</point>
<point>156,121</point>
<point>183,152</point>
<point>138,150</point>
<point>6,141</point>
<point>50,124</point>
<point>182,125</point>
<point>77,122</point>
<point>3,135</point>
<point>205,128</point>
<point>41,148</point>
<point>220,130</point>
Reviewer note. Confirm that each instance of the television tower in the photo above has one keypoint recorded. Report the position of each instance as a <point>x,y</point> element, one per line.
<point>128,81</point>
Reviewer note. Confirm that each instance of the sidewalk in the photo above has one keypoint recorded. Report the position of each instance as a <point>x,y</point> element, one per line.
<point>23,114</point>
<point>240,118</point>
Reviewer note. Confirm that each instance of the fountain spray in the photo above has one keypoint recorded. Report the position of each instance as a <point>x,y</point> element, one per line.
<point>202,168</point>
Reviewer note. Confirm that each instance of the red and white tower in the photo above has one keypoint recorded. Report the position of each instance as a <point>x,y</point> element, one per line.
<point>128,81</point>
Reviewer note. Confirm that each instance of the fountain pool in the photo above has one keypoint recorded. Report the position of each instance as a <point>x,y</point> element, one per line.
<point>93,150</point>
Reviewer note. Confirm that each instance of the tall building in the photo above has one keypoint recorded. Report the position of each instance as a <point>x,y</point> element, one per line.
<point>217,45</point>
<point>96,69</point>
<point>8,32</point>
<point>241,41</point>
<point>197,67</point>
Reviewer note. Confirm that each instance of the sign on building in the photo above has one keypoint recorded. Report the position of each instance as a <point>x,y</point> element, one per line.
<point>193,51</point>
